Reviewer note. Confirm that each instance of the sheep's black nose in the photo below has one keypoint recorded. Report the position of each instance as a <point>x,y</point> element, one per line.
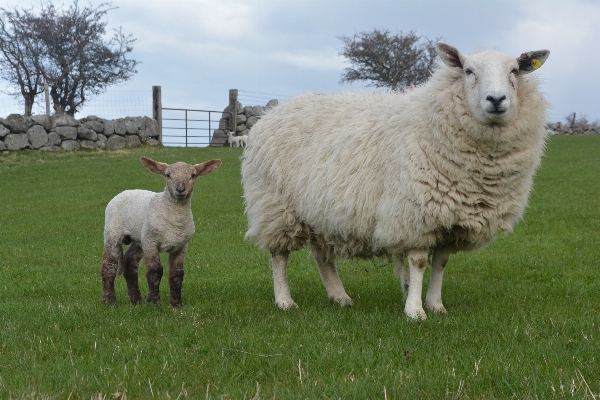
<point>496,102</point>
<point>180,190</point>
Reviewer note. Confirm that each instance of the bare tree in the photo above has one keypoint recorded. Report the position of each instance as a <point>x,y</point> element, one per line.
<point>389,60</point>
<point>19,54</point>
<point>75,59</point>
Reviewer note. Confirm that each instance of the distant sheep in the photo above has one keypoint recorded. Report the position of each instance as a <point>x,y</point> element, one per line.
<point>244,140</point>
<point>151,223</point>
<point>235,141</point>
<point>427,173</point>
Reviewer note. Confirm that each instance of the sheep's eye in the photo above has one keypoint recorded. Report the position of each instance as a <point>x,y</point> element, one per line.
<point>468,71</point>
<point>168,175</point>
<point>514,71</point>
<point>193,176</point>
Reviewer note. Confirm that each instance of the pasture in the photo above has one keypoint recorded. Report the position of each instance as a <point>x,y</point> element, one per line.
<point>523,315</point>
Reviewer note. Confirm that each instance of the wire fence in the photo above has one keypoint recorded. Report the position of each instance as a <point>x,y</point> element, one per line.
<point>247,97</point>
<point>110,105</point>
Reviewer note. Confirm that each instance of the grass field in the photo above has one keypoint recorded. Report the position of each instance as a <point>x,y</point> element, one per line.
<point>523,315</point>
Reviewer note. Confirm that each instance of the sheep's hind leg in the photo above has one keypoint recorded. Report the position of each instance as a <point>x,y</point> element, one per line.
<point>131,262</point>
<point>108,272</point>
<point>176,275</point>
<point>283,297</point>
<point>401,272</point>
<point>154,272</point>
<point>417,261</point>
<point>433,300</point>
<point>330,277</point>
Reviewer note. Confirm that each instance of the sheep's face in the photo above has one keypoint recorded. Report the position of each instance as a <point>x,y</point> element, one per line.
<point>180,176</point>
<point>491,80</point>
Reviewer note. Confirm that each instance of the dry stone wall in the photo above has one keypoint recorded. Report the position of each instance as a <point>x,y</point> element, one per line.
<point>558,128</point>
<point>245,119</point>
<point>63,132</point>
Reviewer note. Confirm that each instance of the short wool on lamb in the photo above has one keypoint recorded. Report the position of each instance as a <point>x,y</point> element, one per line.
<point>436,170</point>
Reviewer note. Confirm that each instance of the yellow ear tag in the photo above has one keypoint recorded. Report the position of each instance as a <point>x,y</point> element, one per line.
<point>535,63</point>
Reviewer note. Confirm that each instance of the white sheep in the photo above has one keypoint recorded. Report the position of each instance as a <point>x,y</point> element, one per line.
<point>430,172</point>
<point>235,141</point>
<point>151,223</point>
<point>244,140</point>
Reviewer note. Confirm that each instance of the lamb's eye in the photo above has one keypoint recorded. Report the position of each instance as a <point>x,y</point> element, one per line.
<point>468,71</point>
<point>514,71</point>
<point>193,176</point>
<point>168,175</point>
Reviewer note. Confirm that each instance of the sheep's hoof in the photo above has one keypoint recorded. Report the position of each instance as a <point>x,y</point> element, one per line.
<point>417,314</point>
<point>436,308</point>
<point>286,304</point>
<point>109,300</point>
<point>342,301</point>
<point>152,300</point>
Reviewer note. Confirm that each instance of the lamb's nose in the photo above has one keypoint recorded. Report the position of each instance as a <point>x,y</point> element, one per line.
<point>180,190</point>
<point>496,101</point>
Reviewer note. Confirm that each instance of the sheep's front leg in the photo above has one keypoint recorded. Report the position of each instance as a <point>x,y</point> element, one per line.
<point>131,262</point>
<point>417,261</point>
<point>433,300</point>
<point>176,275</point>
<point>154,272</point>
<point>401,272</point>
<point>283,297</point>
<point>108,272</point>
<point>329,276</point>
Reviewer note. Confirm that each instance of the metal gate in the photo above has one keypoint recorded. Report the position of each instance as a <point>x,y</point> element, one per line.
<point>191,128</point>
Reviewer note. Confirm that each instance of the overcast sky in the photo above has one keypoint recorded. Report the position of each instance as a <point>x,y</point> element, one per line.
<point>197,50</point>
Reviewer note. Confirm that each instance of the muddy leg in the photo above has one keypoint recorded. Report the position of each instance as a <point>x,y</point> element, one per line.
<point>417,261</point>
<point>108,272</point>
<point>401,272</point>
<point>154,272</point>
<point>330,277</point>
<point>131,262</point>
<point>433,300</point>
<point>283,298</point>
<point>176,275</point>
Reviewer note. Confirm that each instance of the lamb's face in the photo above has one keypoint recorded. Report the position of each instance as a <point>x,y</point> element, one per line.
<point>491,80</point>
<point>180,176</point>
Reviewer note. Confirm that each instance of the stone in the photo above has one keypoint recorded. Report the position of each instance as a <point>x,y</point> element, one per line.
<point>42,119</point>
<point>63,120</point>
<point>66,132</point>
<point>258,111</point>
<point>251,121</point>
<point>152,126</point>
<point>240,119</point>
<point>16,123</point>
<point>120,127</point>
<point>53,138</point>
<point>109,127</point>
<point>102,138</point>
<point>248,111</point>
<point>3,131</point>
<point>145,134</point>
<point>153,142</point>
<point>240,128</point>
<point>2,146</point>
<point>37,136</point>
<point>133,140</point>
<point>272,103</point>
<point>132,125</point>
<point>115,142</point>
<point>69,145</point>
<point>94,125</point>
<point>88,144</point>
<point>50,148</point>
<point>16,141</point>
<point>86,133</point>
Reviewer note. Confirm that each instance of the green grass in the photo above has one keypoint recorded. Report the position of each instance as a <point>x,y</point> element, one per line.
<point>523,314</point>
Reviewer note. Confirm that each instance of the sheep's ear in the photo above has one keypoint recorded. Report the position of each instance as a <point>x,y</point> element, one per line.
<point>532,60</point>
<point>155,166</point>
<point>450,55</point>
<point>207,167</point>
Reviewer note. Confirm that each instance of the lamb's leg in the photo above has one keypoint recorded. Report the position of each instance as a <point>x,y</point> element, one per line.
<point>283,298</point>
<point>433,300</point>
<point>176,275</point>
<point>401,272</point>
<point>417,261</point>
<point>108,272</point>
<point>154,272</point>
<point>131,262</point>
<point>330,277</point>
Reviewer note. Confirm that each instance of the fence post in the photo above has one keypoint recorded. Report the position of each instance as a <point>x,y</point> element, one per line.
<point>47,98</point>
<point>233,96</point>
<point>157,109</point>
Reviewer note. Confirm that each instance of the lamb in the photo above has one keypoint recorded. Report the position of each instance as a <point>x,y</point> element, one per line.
<point>244,140</point>
<point>235,141</point>
<point>416,176</point>
<point>151,223</point>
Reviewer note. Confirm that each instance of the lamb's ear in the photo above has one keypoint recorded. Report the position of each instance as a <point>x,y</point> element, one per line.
<point>450,55</point>
<point>155,166</point>
<point>532,60</point>
<point>207,167</point>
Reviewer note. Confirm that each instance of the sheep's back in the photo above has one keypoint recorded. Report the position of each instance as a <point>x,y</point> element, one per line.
<point>125,214</point>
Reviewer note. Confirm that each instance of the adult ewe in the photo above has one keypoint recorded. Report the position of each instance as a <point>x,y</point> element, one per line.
<point>437,170</point>
<point>151,223</point>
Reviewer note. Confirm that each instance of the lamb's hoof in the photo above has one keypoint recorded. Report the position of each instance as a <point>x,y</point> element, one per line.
<point>135,300</point>
<point>416,314</point>
<point>109,300</point>
<point>152,300</point>
<point>176,304</point>
<point>342,301</point>
<point>286,304</point>
<point>437,308</point>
